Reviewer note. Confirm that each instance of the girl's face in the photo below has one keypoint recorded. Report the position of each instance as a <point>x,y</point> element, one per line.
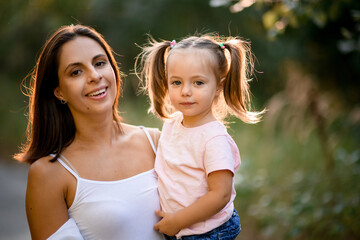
<point>192,85</point>
<point>86,79</point>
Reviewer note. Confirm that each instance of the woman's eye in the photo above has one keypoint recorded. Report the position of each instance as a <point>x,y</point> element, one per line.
<point>75,73</point>
<point>100,63</point>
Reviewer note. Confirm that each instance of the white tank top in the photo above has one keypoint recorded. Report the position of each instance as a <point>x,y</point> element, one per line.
<point>122,209</point>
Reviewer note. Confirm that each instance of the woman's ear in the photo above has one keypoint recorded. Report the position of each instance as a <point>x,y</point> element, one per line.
<point>58,94</point>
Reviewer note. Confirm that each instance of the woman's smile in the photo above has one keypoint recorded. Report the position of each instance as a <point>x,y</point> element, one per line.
<point>98,94</point>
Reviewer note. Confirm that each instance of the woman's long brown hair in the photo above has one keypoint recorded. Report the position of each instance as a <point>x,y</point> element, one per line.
<point>51,126</point>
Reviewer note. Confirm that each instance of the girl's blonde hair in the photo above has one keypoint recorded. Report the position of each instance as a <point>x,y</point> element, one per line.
<point>232,62</point>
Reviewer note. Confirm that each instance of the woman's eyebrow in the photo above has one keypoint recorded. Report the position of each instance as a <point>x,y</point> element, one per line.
<point>72,64</point>
<point>99,55</point>
<point>79,63</point>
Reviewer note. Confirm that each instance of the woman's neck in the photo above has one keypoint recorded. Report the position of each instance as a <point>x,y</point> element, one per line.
<point>95,131</point>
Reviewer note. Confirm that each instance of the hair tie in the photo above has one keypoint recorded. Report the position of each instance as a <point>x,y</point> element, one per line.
<point>222,46</point>
<point>172,44</point>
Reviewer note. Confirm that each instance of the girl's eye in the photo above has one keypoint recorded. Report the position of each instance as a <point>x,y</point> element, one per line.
<point>176,83</point>
<point>199,83</point>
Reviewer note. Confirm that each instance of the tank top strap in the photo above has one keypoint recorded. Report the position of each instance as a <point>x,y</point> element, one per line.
<point>68,166</point>
<point>149,138</point>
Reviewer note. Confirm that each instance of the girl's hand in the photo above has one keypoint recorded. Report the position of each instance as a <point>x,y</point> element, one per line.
<point>219,194</point>
<point>168,224</point>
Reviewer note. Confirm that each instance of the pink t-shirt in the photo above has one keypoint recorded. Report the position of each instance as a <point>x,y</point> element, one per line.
<point>184,158</point>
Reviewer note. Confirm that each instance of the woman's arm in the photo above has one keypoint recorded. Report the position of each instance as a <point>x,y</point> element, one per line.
<point>46,207</point>
<point>219,194</point>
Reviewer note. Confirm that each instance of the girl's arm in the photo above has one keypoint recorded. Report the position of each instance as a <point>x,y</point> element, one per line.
<point>219,194</point>
<point>46,207</point>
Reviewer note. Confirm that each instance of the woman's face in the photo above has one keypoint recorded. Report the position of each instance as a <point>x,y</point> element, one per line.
<point>87,80</point>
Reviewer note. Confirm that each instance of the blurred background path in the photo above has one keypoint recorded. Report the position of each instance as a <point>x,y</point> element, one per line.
<point>13,224</point>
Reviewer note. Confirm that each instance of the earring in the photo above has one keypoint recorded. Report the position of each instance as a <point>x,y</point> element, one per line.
<point>63,101</point>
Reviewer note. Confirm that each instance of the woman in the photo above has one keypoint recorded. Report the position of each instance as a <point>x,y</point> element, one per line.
<point>90,173</point>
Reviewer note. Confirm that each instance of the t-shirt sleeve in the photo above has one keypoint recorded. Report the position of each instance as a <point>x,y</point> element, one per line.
<point>221,153</point>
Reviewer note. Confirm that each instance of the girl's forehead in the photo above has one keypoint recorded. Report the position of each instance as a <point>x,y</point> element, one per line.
<point>198,53</point>
<point>191,61</point>
<point>190,50</point>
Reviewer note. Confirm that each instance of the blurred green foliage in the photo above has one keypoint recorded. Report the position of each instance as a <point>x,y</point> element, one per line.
<point>300,170</point>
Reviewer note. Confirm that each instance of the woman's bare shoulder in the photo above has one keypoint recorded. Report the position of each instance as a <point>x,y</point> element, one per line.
<point>137,131</point>
<point>128,128</point>
<point>45,205</point>
<point>44,170</point>
<point>42,166</point>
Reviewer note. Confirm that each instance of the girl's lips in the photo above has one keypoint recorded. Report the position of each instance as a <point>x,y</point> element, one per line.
<point>186,103</point>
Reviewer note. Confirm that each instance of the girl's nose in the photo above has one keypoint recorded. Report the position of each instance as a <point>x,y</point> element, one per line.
<point>186,90</point>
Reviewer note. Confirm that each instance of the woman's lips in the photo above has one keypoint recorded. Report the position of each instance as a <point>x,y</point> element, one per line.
<point>98,94</point>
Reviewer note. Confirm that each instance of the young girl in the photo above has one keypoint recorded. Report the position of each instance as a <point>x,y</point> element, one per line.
<point>205,80</point>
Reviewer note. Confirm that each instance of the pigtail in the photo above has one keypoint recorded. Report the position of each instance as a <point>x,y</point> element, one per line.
<point>151,63</point>
<point>232,66</point>
<point>236,86</point>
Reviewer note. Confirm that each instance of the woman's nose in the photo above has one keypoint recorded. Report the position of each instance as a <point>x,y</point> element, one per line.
<point>94,75</point>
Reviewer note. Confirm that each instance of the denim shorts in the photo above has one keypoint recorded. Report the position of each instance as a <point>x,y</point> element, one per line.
<point>228,231</point>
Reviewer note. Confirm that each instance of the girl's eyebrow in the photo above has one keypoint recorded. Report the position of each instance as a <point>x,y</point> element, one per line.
<point>202,77</point>
<point>174,77</point>
<point>197,76</point>
<point>79,63</point>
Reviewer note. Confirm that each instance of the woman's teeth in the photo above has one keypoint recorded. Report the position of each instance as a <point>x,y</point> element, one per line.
<point>97,93</point>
